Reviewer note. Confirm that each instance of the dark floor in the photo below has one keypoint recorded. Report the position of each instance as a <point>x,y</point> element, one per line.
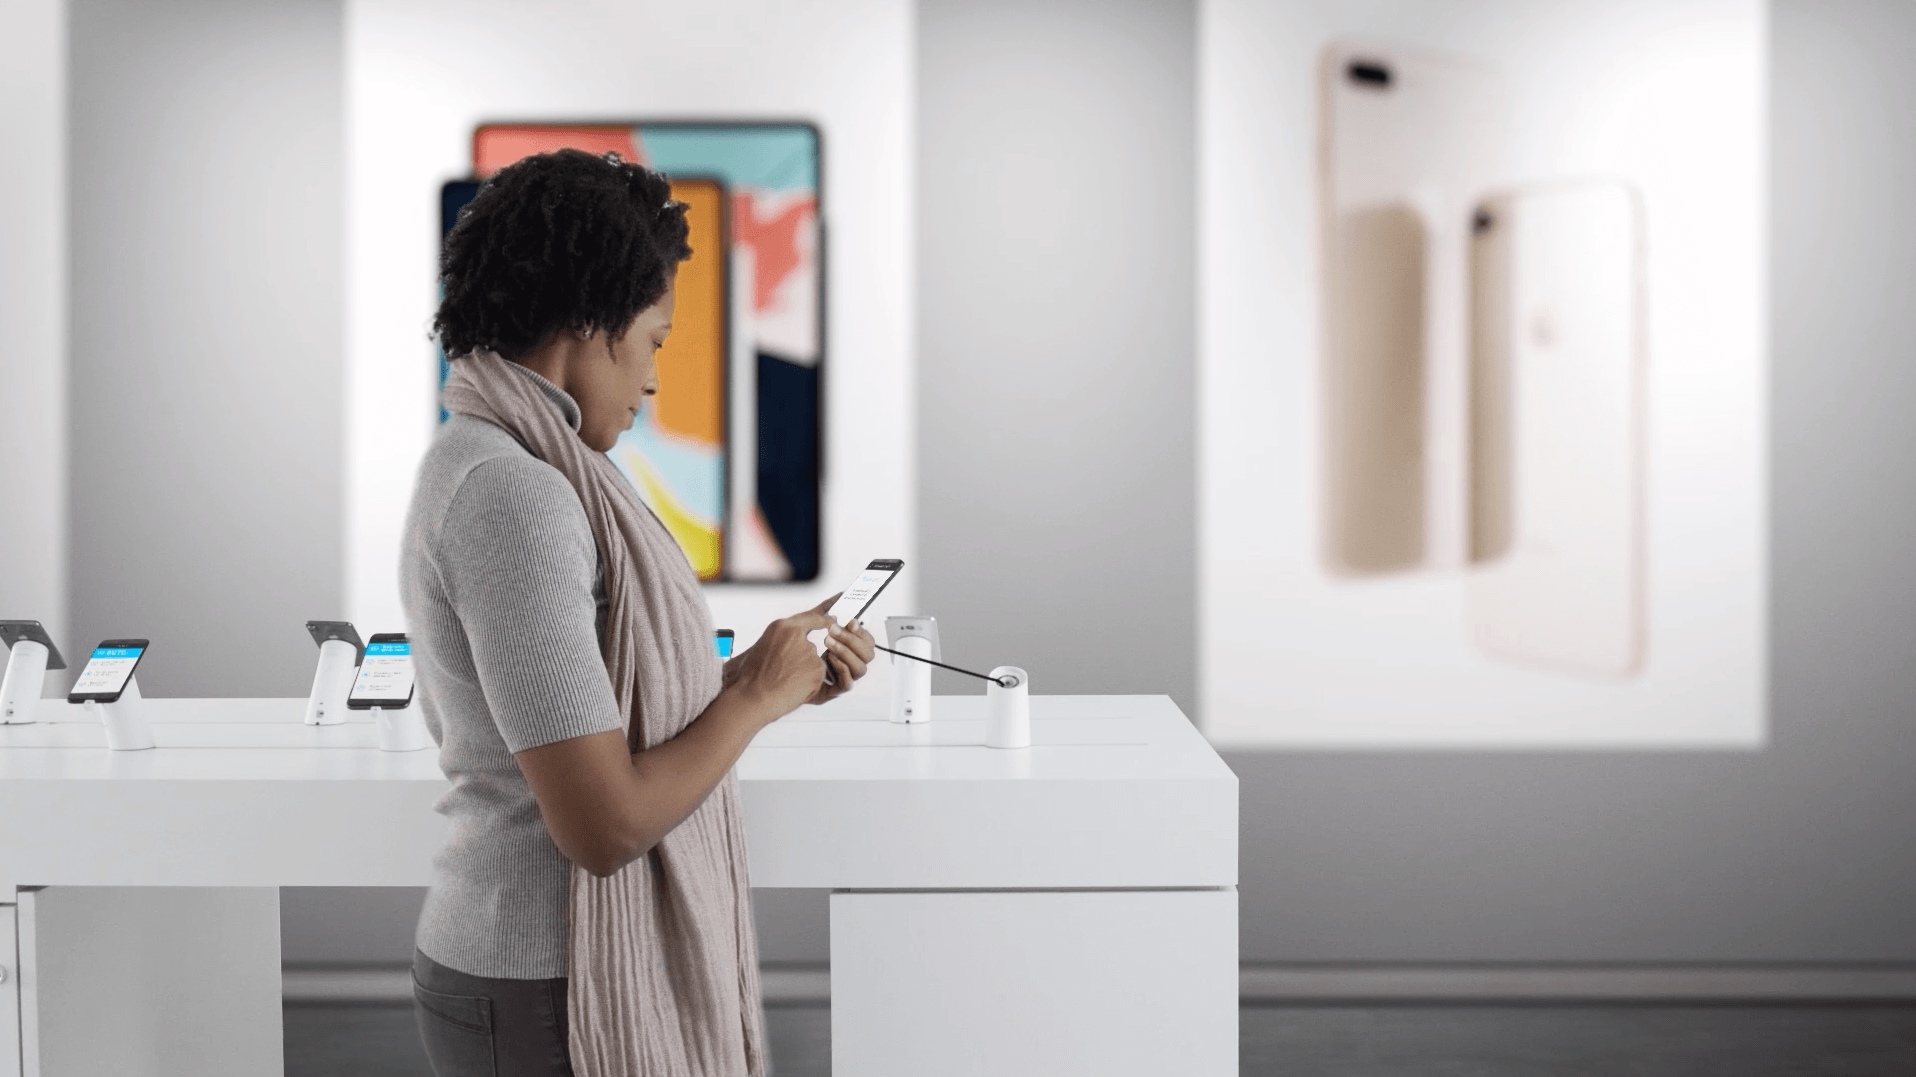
<point>328,1040</point>
<point>1339,1041</point>
<point>1579,1041</point>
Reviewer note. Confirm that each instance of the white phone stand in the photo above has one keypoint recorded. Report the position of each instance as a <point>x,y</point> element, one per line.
<point>401,730</point>
<point>124,719</point>
<point>911,681</point>
<point>1008,709</point>
<point>20,691</point>
<point>332,681</point>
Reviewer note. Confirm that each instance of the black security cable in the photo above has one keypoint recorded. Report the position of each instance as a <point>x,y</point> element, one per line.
<point>1002,682</point>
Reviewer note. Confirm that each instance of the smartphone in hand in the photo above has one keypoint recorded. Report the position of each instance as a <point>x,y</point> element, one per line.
<point>856,599</point>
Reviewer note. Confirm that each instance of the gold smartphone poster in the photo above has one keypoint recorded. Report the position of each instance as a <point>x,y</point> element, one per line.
<point>1407,137</point>
<point>1483,383</point>
<point>1556,427</point>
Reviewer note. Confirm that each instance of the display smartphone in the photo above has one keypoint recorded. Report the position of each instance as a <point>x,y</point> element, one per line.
<point>1407,140</point>
<point>856,599</point>
<point>324,631</point>
<point>864,590</point>
<point>1557,357</point>
<point>385,677</point>
<point>722,641</point>
<point>12,632</point>
<point>108,671</point>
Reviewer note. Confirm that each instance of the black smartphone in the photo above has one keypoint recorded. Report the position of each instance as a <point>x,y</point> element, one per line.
<point>857,598</point>
<point>722,639</point>
<point>385,677</point>
<point>107,671</point>
<point>12,632</point>
<point>343,631</point>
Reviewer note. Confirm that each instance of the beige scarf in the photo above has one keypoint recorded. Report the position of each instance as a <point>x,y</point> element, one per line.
<point>661,959</point>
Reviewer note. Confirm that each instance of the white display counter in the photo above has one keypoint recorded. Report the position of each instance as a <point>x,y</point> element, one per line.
<point>1070,907</point>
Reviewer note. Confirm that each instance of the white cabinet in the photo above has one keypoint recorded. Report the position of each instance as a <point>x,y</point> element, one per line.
<point>1035,983</point>
<point>9,991</point>
<point>150,981</point>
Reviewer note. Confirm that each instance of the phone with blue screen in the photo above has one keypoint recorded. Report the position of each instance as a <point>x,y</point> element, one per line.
<point>108,671</point>
<point>385,679</point>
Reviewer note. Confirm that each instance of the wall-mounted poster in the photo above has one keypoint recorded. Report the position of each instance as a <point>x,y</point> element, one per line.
<point>1481,361</point>
<point>728,454</point>
<point>1483,381</point>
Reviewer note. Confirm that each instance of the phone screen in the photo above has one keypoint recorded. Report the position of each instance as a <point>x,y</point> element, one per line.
<point>107,672</point>
<point>859,596</point>
<point>385,676</point>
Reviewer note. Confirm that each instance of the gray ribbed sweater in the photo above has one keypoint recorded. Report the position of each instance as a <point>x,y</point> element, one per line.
<point>500,578</point>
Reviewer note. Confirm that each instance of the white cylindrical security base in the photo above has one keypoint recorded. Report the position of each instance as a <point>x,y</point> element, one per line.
<point>20,691</point>
<point>332,680</point>
<point>401,731</point>
<point>1008,709</point>
<point>911,681</point>
<point>125,720</point>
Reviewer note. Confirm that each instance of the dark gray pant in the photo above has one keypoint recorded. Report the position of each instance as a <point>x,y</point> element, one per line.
<point>477,1026</point>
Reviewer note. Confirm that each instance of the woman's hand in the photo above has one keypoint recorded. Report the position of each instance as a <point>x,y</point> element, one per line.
<point>781,670</point>
<point>605,806</point>
<point>848,654</point>
<point>848,651</point>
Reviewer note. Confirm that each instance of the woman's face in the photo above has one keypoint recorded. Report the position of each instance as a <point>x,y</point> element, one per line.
<point>613,381</point>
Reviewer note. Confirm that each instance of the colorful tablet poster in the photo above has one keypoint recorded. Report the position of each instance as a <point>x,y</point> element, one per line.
<point>675,452</point>
<point>758,491</point>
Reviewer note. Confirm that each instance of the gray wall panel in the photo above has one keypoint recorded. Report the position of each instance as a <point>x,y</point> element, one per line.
<point>1056,319</point>
<point>206,311</point>
<point>33,280</point>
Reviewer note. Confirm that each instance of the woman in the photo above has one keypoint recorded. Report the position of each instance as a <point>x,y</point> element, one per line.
<point>589,912</point>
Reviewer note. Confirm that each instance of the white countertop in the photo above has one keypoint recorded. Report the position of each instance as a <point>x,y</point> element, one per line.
<point>1115,791</point>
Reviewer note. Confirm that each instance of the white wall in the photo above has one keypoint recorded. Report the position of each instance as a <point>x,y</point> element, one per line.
<point>1669,96</point>
<point>33,281</point>
<point>421,74</point>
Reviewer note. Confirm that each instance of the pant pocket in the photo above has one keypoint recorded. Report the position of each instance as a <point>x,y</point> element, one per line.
<point>456,1031</point>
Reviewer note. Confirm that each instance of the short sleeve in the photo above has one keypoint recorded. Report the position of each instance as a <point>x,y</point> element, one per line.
<point>519,568</point>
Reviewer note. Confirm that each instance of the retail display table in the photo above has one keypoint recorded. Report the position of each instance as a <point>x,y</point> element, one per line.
<point>1068,907</point>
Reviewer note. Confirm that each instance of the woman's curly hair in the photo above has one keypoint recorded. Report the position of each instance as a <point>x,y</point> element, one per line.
<point>558,241</point>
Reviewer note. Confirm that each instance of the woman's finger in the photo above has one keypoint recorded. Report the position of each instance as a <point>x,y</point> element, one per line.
<point>809,621</point>
<point>845,674</point>
<point>859,640</point>
<point>841,654</point>
<point>839,683</point>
